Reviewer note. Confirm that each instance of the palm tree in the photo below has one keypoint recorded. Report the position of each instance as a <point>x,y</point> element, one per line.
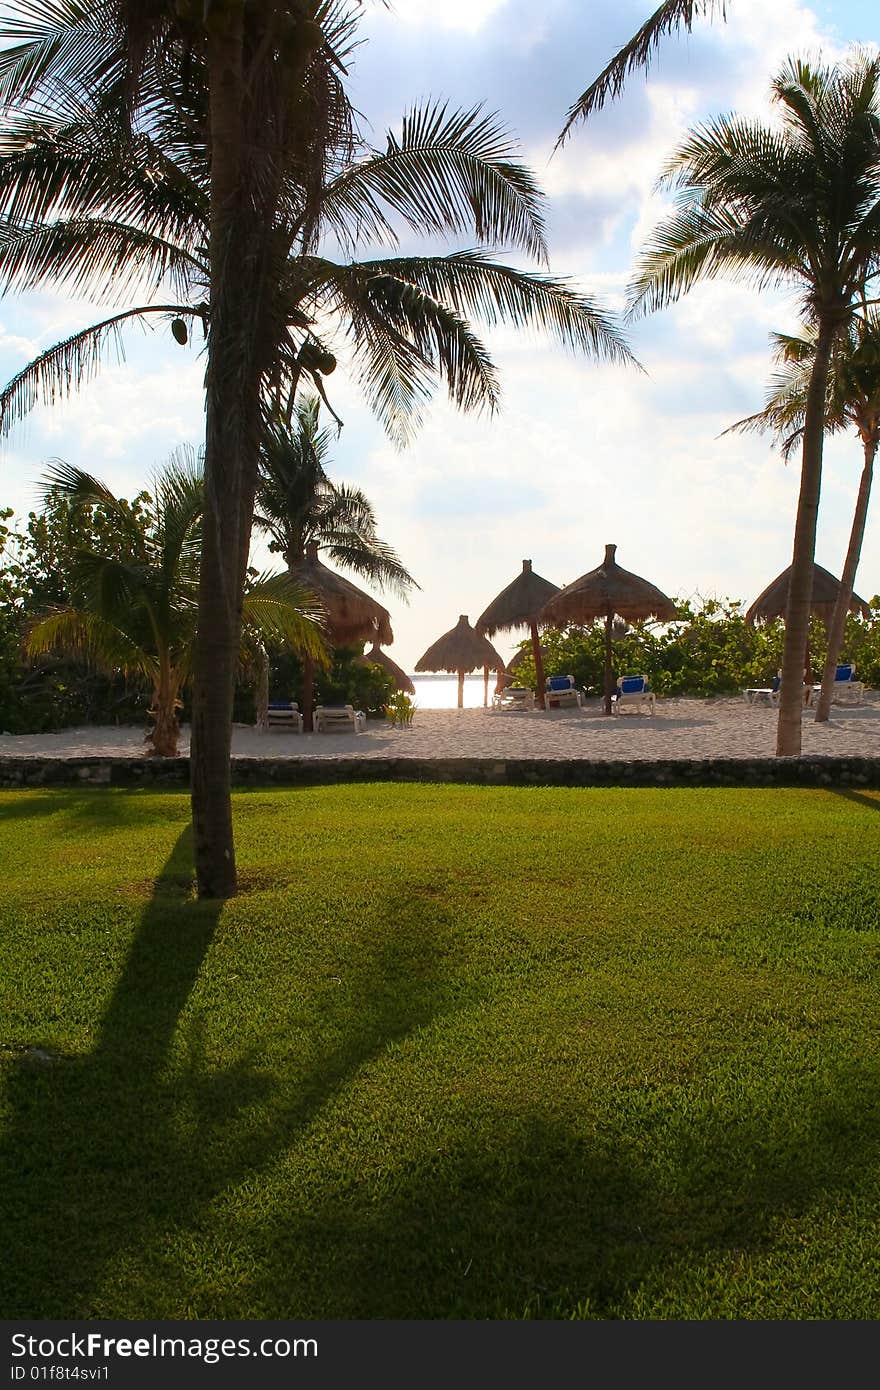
<point>853,399</point>
<point>138,614</point>
<point>797,203</point>
<point>278,178</point>
<point>297,503</point>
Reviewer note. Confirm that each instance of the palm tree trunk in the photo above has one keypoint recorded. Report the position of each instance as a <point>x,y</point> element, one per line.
<point>539,668</point>
<point>262,690</point>
<point>231,444</point>
<point>847,581</point>
<point>308,708</point>
<point>797,616</point>
<point>609,672</point>
<point>165,733</point>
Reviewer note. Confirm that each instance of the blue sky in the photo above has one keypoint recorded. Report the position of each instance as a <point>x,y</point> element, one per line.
<point>579,455</point>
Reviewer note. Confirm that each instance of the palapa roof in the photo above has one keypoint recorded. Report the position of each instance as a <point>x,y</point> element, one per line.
<point>351,614</point>
<point>518,605</point>
<point>773,602</point>
<point>606,591</point>
<point>460,649</point>
<point>380,658</point>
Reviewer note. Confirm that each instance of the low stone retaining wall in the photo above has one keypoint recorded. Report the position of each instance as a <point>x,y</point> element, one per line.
<point>261,772</point>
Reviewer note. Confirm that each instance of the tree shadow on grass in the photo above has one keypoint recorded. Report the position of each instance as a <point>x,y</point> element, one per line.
<point>543,1220</point>
<point>107,1152</point>
<point>102,808</point>
<point>858,798</point>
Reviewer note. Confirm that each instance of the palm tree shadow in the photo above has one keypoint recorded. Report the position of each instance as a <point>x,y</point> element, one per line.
<point>544,1220</point>
<point>860,798</point>
<point>74,1120</point>
<point>106,1152</point>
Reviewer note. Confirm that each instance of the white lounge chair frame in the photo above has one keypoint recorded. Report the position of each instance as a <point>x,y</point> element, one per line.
<point>851,692</point>
<point>754,695</point>
<point>558,699</point>
<point>514,697</point>
<point>338,719</point>
<point>288,718</point>
<point>637,699</point>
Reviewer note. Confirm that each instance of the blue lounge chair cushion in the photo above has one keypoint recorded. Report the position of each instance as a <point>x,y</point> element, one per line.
<point>560,683</point>
<point>279,704</point>
<point>844,673</point>
<point>633,685</point>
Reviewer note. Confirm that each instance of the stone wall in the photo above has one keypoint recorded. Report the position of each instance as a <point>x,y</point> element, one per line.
<point>267,772</point>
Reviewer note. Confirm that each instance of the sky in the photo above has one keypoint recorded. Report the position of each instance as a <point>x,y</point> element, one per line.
<point>579,454</point>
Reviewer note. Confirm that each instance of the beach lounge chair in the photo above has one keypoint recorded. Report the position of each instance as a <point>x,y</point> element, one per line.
<point>846,690</point>
<point>337,719</point>
<point>632,691</point>
<point>513,697</point>
<point>283,714</point>
<point>561,691</point>
<point>759,694</point>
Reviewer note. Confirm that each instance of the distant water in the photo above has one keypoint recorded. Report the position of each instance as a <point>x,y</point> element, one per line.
<point>441,692</point>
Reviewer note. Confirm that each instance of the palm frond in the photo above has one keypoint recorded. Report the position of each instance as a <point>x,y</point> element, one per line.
<point>448,172</point>
<point>62,369</point>
<point>178,492</point>
<point>57,46</point>
<point>91,638</point>
<point>475,286</point>
<point>637,53</point>
<point>279,608</point>
<point>92,259</point>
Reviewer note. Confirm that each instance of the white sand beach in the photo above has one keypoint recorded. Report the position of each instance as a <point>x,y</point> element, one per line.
<point>680,729</point>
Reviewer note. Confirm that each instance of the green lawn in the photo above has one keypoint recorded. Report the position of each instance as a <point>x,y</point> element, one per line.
<point>453,1052</point>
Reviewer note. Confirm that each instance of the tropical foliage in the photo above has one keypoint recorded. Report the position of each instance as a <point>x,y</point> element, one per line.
<point>135,612</point>
<point>711,651</point>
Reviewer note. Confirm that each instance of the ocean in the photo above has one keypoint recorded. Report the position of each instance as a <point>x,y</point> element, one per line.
<point>441,692</point>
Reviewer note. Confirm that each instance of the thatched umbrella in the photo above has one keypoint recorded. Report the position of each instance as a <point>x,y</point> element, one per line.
<point>379,658</point>
<point>518,606</point>
<point>773,603</point>
<point>350,614</point>
<point>608,592</point>
<point>460,650</point>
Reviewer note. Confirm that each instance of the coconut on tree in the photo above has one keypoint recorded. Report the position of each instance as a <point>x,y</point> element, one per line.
<point>795,203</point>
<point>137,608</point>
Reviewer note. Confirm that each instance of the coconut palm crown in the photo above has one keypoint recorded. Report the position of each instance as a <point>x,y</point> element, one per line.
<point>297,503</point>
<point>795,203</point>
<point>112,214</point>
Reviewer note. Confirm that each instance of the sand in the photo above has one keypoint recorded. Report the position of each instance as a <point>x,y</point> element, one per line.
<point>681,729</point>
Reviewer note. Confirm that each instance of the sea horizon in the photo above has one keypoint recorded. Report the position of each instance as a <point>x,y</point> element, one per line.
<point>440,691</point>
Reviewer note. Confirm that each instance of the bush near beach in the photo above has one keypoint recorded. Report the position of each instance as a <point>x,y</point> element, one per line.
<point>484,1052</point>
<point>712,650</point>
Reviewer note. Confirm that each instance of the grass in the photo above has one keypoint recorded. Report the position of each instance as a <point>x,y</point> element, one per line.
<point>454,1052</point>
